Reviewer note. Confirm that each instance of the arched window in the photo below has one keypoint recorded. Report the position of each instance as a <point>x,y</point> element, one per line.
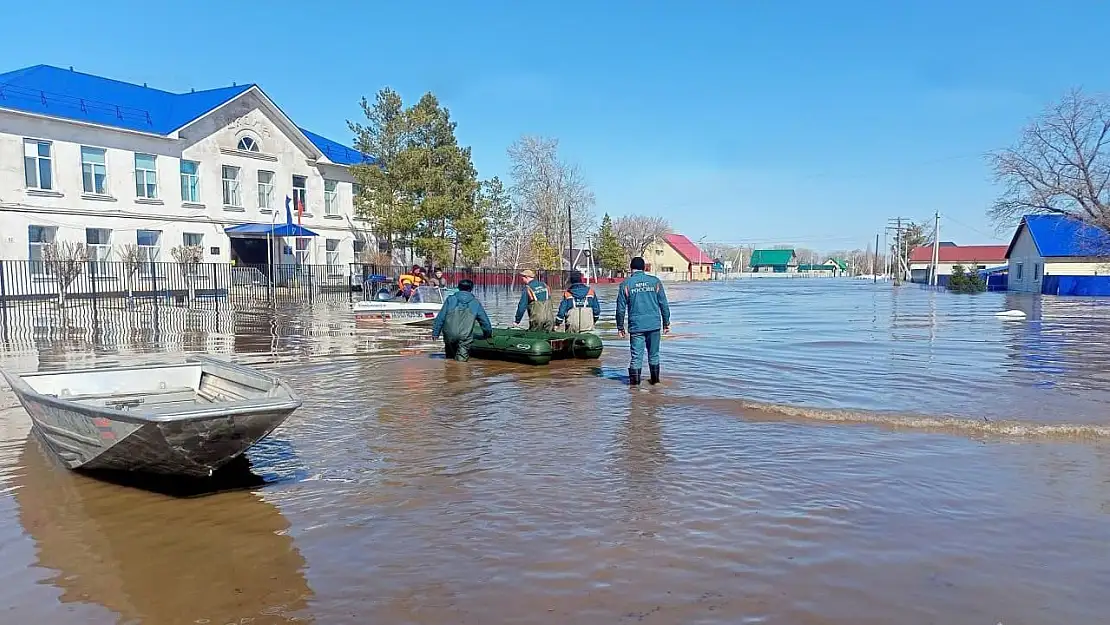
<point>248,144</point>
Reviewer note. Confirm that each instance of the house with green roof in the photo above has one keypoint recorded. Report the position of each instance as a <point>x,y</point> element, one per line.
<point>773,261</point>
<point>831,267</point>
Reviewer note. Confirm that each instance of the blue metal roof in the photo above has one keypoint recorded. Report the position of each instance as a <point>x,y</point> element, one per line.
<point>276,230</point>
<point>67,94</point>
<point>1062,236</point>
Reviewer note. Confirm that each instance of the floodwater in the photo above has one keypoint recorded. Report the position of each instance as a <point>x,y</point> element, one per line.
<point>821,452</point>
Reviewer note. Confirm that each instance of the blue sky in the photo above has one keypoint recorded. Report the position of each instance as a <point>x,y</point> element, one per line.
<point>805,122</point>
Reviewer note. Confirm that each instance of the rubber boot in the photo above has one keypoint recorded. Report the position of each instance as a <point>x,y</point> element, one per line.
<point>633,377</point>
<point>654,373</point>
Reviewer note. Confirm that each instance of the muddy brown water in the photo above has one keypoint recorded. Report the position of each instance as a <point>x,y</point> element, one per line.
<point>821,452</point>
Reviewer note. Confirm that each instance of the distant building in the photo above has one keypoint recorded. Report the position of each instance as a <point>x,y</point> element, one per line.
<point>1059,255</point>
<point>578,259</point>
<point>831,267</point>
<point>676,257</point>
<point>774,261</point>
<point>972,257</point>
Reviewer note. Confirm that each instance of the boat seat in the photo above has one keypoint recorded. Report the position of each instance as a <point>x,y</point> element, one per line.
<point>123,401</point>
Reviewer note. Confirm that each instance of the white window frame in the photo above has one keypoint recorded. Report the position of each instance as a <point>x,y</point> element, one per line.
<point>1020,270</point>
<point>190,181</point>
<point>199,236</point>
<point>233,188</point>
<point>331,256</point>
<point>34,163</point>
<point>301,250</point>
<point>247,144</point>
<point>148,253</point>
<point>331,198</point>
<point>50,234</point>
<point>300,191</point>
<point>98,254</point>
<point>265,191</point>
<point>92,173</point>
<point>146,180</point>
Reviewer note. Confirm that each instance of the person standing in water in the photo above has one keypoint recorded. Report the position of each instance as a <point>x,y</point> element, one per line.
<point>455,322</point>
<point>536,301</point>
<point>642,301</point>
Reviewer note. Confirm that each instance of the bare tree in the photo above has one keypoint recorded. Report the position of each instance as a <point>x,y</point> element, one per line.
<point>131,259</point>
<point>188,256</point>
<point>545,188</point>
<point>1061,164</point>
<point>64,260</point>
<point>637,232</point>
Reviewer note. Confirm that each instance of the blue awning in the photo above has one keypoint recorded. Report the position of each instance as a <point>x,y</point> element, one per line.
<point>274,230</point>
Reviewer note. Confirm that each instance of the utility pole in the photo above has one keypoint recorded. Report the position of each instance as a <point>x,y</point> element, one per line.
<point>898,259</point>
<point>936,248</point>
<point>875,261</point>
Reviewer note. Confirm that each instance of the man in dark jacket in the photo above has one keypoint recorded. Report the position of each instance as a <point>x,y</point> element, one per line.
<point>643,302</point>
<point>536,301</point>
<point>572,310</point>
<point>455,322</point>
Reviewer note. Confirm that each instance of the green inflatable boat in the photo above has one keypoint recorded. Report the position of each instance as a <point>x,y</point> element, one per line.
<point>536,348</point>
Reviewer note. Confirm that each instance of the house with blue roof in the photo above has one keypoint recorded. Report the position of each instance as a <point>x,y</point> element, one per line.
<point>1059,255</point>
<point>115,165</point>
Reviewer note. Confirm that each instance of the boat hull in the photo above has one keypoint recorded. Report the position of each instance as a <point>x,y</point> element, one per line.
<point>537,348</point>
<point>397,314</point>
<point>127,431</point>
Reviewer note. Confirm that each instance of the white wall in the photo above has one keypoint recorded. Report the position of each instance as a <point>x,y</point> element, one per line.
<point>1026,265</point>
<point>210,141</point>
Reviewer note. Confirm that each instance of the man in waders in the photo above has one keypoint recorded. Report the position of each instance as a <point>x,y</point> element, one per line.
<point>535,300</point>
<point>643,302</point>
<point>455,322</point>
<point>579,309</point>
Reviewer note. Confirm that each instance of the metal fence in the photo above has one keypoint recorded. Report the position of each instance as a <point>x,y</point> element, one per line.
<point>84,292</point>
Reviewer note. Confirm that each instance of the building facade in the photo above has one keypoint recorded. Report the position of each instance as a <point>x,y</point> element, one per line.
<point>1058,255</point>
<point>971,257</point>
<point>773,261</point>
<point>676,257</point>
<point>115,165</point>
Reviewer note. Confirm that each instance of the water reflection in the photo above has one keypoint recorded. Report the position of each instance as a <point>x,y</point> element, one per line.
<point>152,558</point>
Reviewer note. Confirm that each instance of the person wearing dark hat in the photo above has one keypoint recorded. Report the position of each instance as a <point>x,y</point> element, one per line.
<point>455,322</point>
<point>642,302</point>
<point>536,301</point>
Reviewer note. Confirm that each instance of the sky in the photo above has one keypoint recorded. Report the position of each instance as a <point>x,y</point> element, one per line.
<point>761,122</point>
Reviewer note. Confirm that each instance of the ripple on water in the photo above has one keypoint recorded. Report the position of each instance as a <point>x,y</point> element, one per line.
<point>754,486</point>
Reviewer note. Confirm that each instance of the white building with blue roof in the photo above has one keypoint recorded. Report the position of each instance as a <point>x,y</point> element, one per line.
<point>109,163</point>
<point>1058,255</point>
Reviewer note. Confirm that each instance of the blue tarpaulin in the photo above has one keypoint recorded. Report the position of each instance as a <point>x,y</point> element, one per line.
<point>1075,285</point>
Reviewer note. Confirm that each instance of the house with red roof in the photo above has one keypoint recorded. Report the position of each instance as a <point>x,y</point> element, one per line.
<point>676,257</point>
<point>972,257</point>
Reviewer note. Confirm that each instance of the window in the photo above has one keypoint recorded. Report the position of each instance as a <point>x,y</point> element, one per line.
<point>266,189</point>
<point>356,189</point>
<point>190,182</point>
<point>666,269</point>
<point>98,242</point>
<point>300,193</point>
<point>331,246</point>
<point>192,239</point>
<point>1017,271</point>
<point>302,251</point>
<point>232,195</point>
<point>36,165</point>
<point>146,177</point>
<point>357,247</point>
<point>331,197</point>
<point>150,243</point>
<point>1036,271</point>
<point>39,237</point>
<point>94,171</point>
<point>248,144</point>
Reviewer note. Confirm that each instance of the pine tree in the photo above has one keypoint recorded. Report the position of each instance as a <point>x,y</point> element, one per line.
<point>610,254</point>
<point>544,253</point>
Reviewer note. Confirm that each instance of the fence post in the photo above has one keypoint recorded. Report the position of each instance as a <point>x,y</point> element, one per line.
<point>4,300</point>
<point>215,290</point>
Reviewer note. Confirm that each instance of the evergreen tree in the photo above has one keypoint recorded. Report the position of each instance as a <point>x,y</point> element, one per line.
<point>610,254</point>
<point>544,254</point>
<point>963,282</point>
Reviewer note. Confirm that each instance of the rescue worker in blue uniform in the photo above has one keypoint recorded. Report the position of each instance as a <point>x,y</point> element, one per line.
<point>573,309</point>
<point>642,301</point>
<point>536,301</point>
<point>455,322</point>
